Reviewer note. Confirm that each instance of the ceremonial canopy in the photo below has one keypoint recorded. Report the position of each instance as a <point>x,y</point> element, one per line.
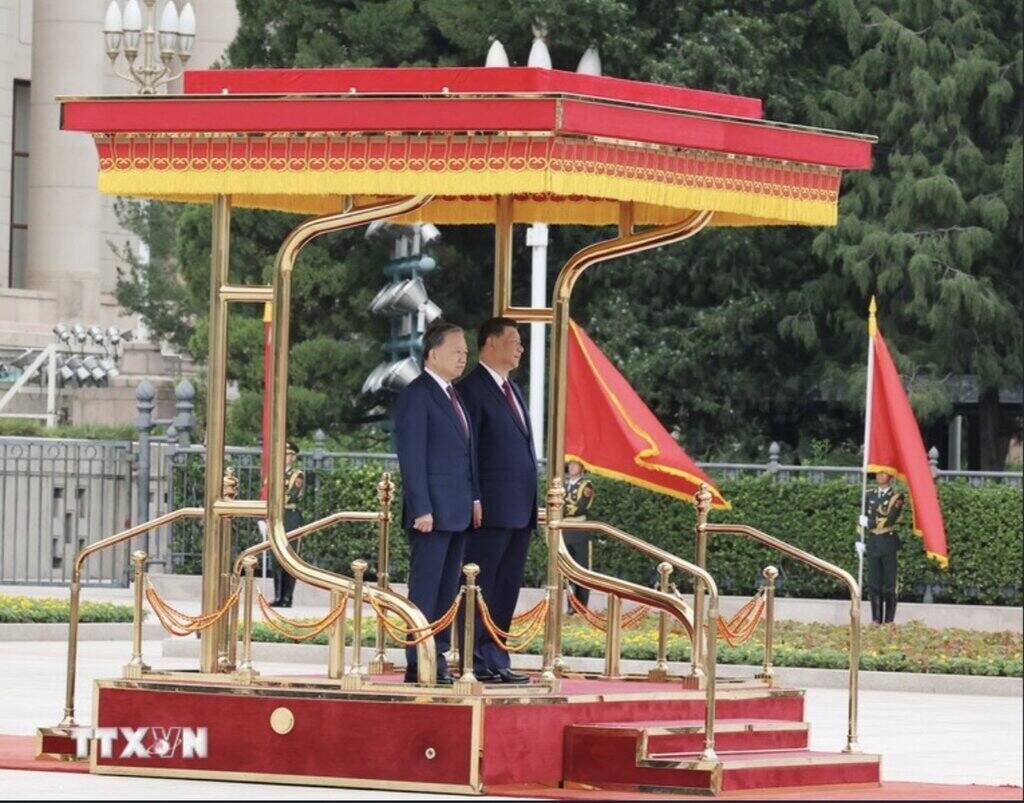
<point>568,148</point>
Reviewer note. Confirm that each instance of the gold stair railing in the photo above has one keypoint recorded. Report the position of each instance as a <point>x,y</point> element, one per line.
<point>825,567</point>
<point>618,589</point>
<point>68,720</point>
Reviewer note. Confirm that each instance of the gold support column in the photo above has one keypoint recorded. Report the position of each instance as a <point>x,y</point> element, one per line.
<point>502,255</point>
<point>613,637</point>
<point>711,658</point>
<point>660,670</point>
<point>245,673</point>
<point>385,493</point>
<point>467,682</point>
<point>767,672</point>
<point>220,247</point>
<point>353,679</point>
<point>702,501</point>
<point>336,641</point>
<point>135,667</point>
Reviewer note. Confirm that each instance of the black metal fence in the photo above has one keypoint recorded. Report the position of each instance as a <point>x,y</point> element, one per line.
<point>57,495</point>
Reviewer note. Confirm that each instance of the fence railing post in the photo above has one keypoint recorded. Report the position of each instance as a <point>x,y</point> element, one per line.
<point>933,461</point>
<point>184,403</point>
<point>774,450</point>
<point>144,395</point>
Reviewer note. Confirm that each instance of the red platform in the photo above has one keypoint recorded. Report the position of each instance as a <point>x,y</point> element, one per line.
<point>591,734</point>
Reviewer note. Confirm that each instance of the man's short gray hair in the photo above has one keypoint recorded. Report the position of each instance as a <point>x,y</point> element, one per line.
<point>435,335</point>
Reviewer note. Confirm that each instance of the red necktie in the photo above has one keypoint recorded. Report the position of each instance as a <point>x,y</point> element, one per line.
<point>513,404</point>
<point>458,411</point>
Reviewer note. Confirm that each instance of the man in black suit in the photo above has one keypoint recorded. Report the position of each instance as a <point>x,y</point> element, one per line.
<point>440,492</point>
<point>508,487</point>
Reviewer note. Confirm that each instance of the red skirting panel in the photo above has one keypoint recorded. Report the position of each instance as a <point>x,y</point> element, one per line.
<point>330,739</point>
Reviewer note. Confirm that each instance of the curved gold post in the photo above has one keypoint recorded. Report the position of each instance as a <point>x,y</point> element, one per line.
<point>289,559</point>
<point>626,243</point>
<point>68,720</point>
<point>825,567</point>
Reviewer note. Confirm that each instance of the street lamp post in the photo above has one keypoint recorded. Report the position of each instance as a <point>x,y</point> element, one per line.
<point>123,34</point>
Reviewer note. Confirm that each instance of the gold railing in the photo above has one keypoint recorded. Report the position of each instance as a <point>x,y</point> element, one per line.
<point>825,567</point>
<point>257,549</point>
<point>618,589</point>
<point>76,591</point>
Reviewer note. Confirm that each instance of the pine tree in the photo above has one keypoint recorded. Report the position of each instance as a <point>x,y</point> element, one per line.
<point>935,228</point>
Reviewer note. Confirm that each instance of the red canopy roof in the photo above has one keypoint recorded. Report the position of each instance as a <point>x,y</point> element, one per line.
<point>298,140</point>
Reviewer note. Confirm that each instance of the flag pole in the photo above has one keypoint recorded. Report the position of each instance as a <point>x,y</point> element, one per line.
<point>872,330</point>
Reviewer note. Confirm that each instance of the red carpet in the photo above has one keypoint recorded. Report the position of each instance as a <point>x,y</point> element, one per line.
<point>887,791</point>
<point>19,753</point>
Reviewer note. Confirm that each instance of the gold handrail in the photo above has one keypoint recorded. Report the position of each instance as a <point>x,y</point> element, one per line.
<point>284,264</point>
<point>256,549</point>
<point>657,599</point>
<point>627,242</point>
<point>305,529</point>
<point>827,568</point>
<point>76,589</point>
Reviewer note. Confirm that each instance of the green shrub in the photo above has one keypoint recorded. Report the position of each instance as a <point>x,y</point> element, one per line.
<point>46,609</point>
<point>984,530</point>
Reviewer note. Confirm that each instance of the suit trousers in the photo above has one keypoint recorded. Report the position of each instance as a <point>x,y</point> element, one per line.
<point>435,566</point>
<point>501,556</point>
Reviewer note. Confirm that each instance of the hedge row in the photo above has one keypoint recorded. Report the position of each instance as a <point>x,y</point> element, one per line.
<point>52,610</point>
<point>984,529</point>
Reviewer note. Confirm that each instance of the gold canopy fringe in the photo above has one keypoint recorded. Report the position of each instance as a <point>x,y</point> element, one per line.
<point>579,198</point>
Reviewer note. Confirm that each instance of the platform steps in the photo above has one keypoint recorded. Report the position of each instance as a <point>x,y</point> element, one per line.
<point>665,755</point>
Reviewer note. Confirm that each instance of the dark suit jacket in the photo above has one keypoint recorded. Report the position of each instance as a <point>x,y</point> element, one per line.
<point>507,463</point>
<point>437,461</point>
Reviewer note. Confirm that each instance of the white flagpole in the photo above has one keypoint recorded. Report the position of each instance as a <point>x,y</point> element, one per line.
<point>872,329</point>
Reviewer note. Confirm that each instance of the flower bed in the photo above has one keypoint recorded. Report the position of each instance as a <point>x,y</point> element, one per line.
<point>911,647</point>
<point>22,610</point>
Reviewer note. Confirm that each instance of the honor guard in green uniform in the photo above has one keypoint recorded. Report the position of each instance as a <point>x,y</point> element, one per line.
<point>882,512</point>
<point>579,496</point>
<point>294,482</point>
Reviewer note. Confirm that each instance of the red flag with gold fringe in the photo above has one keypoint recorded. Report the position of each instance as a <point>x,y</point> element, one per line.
<point>894,444</point>
<point>612,432</point>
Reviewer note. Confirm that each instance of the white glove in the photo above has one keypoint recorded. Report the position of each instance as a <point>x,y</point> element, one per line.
<point>863,521</point>
<point>858,547</point>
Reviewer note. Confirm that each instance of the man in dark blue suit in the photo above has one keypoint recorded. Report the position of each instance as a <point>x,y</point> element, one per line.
<point>440,491</point>
<point>508,487</point>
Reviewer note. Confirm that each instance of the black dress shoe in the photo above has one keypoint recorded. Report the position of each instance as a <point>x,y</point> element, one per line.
<point>442,680</point>
<point>486,676</point>
<point>276,603</point>
<point>286,603</point>
<point>508,676</point>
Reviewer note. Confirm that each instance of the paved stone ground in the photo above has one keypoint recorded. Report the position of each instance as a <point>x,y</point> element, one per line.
<point>922,737</point>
